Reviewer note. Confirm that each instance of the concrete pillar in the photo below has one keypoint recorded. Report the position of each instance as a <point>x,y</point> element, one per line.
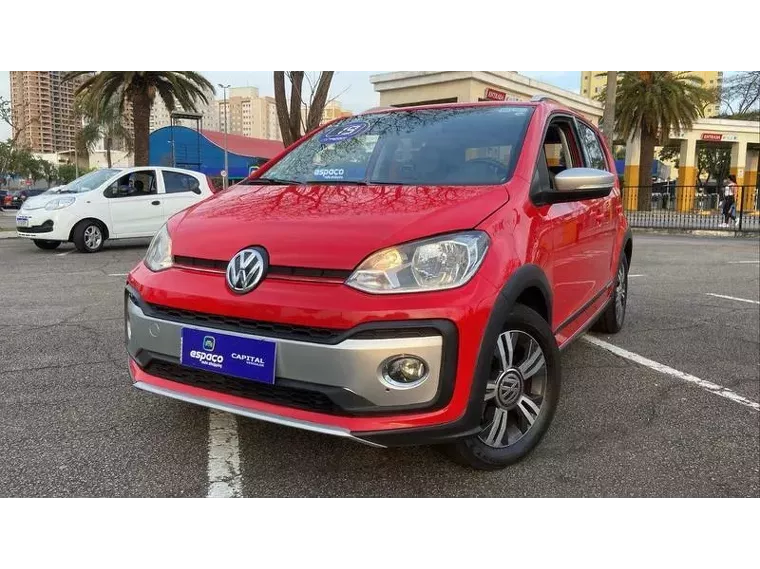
<point>750,180</point>
<point>738,162</point>
<point>553,153</point>
<point>687,175</point>
<point>631,173</point>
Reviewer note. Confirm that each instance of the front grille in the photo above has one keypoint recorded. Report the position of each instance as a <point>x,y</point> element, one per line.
<point>287,396</point>
<point>274,270</point>
<point>46,227</point>
<point>286,331</point>
<point>255,327</point>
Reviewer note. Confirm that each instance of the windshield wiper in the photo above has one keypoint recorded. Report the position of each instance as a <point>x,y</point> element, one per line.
<point>270,181</point>
<point>338,182</point>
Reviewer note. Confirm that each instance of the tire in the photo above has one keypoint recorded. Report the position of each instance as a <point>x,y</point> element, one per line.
<point>512,426</point>
<point>612,319</point>
<point>85,236</point>
<point>46,244</point>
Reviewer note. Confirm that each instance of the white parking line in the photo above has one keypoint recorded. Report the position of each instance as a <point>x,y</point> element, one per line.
<point>732,298</point>
<point>117,274</point>
<point>64,253</point>
<point>224,477</point>
<point>706,385</point>
<point>631,276</point>
<point>743,262</point>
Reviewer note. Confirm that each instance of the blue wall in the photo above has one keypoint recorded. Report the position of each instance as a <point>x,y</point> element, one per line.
<point>194,154</point>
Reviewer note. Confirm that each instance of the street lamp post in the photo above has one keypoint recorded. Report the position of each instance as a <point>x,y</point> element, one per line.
<point>226,128</point>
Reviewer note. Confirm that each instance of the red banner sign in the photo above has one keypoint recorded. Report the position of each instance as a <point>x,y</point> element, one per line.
<point>713,137</point>
<point>494,95</point>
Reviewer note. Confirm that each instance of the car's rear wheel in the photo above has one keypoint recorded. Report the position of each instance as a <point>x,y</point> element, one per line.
<point>88,236</point>
<point>521,395</point>
<point>46,244</point>
<point>612,319</point>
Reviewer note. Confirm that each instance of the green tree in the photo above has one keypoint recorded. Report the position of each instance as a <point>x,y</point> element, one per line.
<point>17,125</point>
<point>66,173</point>
<point>713,160</point>
<point>101,122</point>
<point>49,171</point>
<point>654,103</point>
<point>139,89</point>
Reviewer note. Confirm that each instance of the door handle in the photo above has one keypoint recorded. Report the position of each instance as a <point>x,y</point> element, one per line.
<point>155,202</point>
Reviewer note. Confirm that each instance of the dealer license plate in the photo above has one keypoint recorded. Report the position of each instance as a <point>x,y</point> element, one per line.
<point>238,356</point>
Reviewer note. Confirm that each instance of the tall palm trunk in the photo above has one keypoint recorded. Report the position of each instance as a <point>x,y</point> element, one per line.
<point>608,120</point>
<point>646,159</point>
<point>108,141</point>
<point>141,112</point>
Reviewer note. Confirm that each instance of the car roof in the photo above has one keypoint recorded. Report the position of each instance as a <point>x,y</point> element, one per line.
<point>540,101</point>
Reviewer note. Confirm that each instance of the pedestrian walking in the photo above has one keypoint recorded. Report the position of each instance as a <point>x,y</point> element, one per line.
<point>729,209</point>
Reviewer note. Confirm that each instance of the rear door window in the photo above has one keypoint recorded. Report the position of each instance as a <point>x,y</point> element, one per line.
<point>592,147</point>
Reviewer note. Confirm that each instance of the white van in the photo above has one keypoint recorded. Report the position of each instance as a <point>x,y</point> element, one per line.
<point>115,203</point>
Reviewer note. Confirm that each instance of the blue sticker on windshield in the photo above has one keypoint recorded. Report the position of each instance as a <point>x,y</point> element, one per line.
<point>344,132</point>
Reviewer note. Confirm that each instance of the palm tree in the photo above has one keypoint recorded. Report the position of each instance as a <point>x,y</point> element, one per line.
<point>139,89</point>
<point>654,103</point>
<point>608,120</point>
<point>106,124</point>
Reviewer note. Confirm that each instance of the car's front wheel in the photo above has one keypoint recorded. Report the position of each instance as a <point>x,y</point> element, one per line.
<point>88,236</point>
<point>46,244</point>
<point>521,395</point>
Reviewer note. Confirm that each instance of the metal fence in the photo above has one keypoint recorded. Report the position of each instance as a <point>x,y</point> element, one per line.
<point>669,206</point>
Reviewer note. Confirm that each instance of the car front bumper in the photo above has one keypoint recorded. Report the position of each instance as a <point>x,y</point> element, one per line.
<point>344,377</point>
<point>447,331</point>
<point>45,224</point>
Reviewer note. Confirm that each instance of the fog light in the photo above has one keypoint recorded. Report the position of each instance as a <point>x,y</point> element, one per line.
<point>404,371</point>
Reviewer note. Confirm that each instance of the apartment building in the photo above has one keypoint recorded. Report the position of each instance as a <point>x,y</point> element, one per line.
<point>592,83</point>
<point>161,117</point>
<point>248,114</point>
<point>42,106</point>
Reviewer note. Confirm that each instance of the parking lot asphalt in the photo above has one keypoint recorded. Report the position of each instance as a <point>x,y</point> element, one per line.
<point>71,424</point>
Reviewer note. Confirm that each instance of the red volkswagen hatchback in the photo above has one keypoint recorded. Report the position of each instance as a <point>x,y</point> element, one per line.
<point>405,276</point>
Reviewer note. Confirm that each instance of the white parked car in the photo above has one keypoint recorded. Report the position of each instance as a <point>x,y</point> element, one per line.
<point>115,203</point>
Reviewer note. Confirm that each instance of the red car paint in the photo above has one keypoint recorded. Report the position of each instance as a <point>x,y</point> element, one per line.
<point>577,245</point>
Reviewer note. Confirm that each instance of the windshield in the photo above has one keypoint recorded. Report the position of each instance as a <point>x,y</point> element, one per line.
<point>455,146</point>
<point>89,181</point>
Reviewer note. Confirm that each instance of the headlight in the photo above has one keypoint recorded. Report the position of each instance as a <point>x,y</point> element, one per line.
<point>438,263</point>
<point>159,255</point>
<point>60,203</point>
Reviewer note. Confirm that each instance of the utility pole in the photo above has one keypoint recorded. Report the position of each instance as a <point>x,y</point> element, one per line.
<point>226,128</point>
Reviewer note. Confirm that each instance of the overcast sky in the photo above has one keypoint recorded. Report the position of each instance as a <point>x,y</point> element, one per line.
<point>353,88</point>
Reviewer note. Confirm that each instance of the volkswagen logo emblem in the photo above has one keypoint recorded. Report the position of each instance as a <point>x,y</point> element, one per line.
<point>509,388</point>
<point>246,269</point>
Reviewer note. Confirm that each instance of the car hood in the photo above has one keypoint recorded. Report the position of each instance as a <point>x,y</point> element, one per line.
<point>326,226</point>
<point>39,201</point>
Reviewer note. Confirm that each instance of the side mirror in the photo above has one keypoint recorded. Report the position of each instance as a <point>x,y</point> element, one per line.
<point>584,180</point>
<point>577,184</point>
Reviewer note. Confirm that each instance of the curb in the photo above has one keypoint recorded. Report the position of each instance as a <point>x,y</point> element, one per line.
<point>8,235</point>
<point>730,234</point>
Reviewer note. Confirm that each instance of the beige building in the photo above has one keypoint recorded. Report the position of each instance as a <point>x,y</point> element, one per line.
<point>407,88</point>
<point>248,114</point>
<point>161,117</point>
<point>42,106</point>
<point>592,83</point>
<point>332,111</point>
